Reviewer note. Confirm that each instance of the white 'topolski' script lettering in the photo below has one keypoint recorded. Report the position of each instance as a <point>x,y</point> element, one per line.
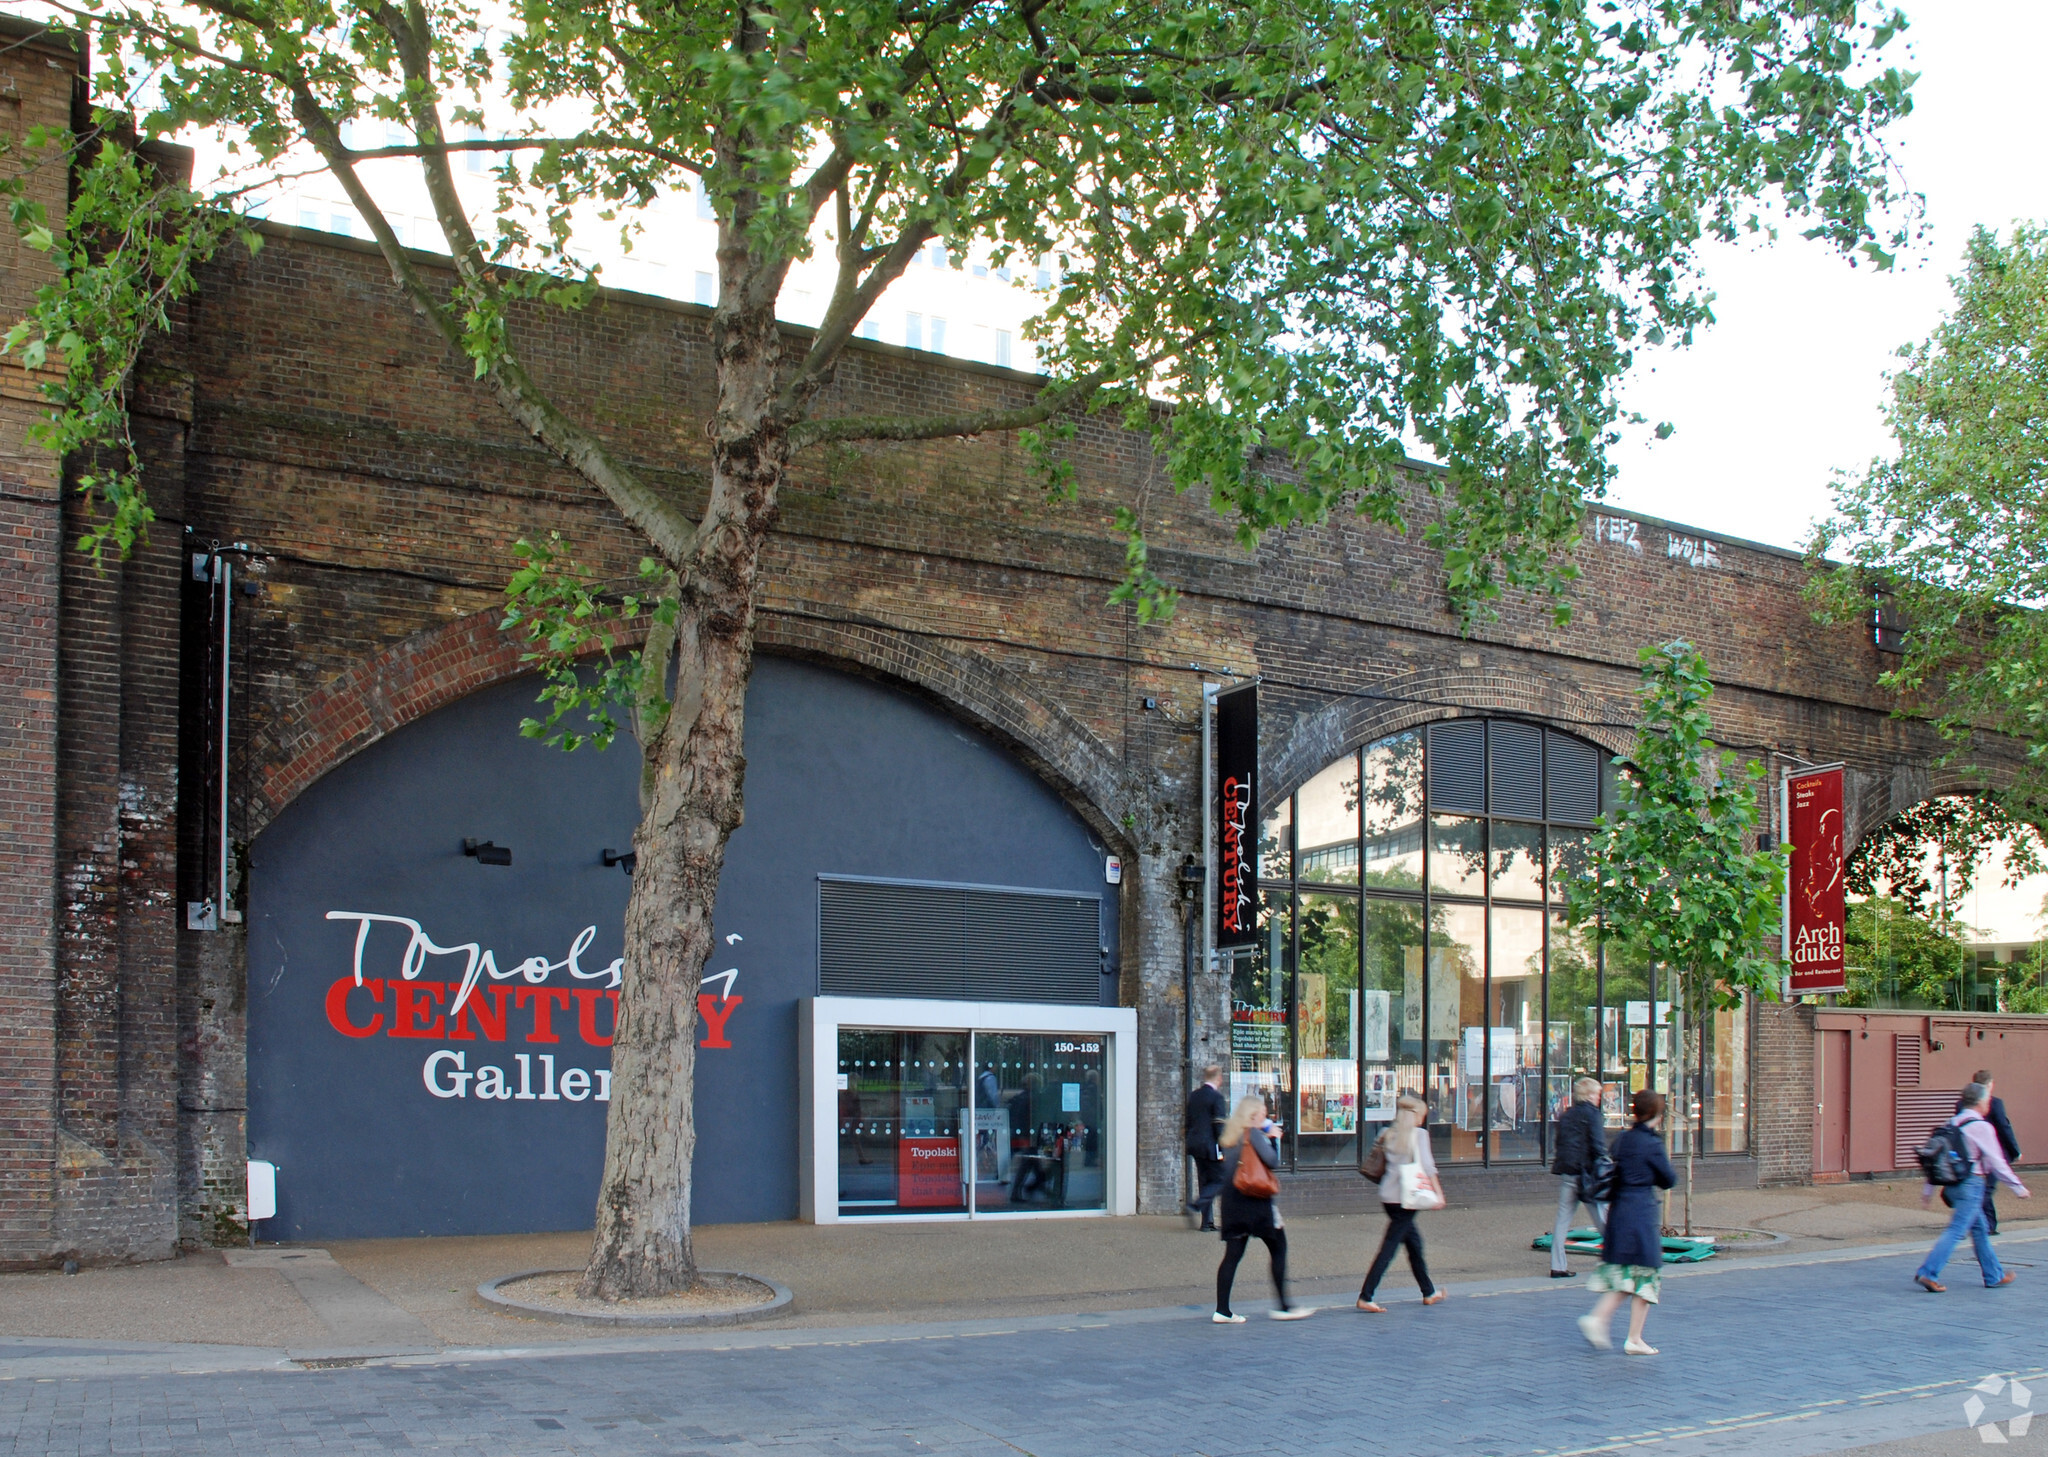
<point>536,969</point>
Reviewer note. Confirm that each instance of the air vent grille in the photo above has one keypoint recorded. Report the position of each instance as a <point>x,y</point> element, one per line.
<point>1457,767</point>
<point>1515,752</point>
<point>971,943</point>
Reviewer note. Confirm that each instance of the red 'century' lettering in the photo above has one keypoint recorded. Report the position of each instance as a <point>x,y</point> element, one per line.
<point>337,1007</point>
<point>715,1011</point>
<point>587,999</point>
<point>411,1003</point>
<point>545,1000</point>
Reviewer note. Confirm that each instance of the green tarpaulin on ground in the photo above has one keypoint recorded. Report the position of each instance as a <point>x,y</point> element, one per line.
<point>1678,1250</point>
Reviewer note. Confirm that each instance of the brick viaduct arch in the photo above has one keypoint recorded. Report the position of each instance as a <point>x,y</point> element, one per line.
<point>439,665</point>
<point>1428,695</point>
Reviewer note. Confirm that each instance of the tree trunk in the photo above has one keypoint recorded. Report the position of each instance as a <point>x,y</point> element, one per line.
<point>691,806</point>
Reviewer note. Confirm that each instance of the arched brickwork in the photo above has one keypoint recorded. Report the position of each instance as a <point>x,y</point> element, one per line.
<point>1874,797</point>
<point>435,667</point>
<point>1423,697</point>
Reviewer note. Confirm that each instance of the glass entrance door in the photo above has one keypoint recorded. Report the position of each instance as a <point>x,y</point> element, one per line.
<point>903,1109</point>
<point>1040,1121</point>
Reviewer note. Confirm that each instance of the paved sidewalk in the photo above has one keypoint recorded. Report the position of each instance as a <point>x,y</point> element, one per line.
<point>1788,1354</point>
<point>395,1295</point>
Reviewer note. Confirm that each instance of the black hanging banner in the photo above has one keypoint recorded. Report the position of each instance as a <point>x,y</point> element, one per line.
<point>1237,816</point>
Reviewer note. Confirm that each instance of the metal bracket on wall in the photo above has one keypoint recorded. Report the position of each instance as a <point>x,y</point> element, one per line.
<point>213,568</point>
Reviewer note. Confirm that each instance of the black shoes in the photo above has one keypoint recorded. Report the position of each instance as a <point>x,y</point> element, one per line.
<point>1560,1274</point>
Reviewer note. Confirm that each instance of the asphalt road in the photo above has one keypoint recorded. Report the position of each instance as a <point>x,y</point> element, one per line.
<point>1782,1359</point>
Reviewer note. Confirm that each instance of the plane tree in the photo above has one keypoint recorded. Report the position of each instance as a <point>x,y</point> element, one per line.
<point>1321,231</point>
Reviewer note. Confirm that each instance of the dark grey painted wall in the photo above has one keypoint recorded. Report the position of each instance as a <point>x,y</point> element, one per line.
<point>844,776</point>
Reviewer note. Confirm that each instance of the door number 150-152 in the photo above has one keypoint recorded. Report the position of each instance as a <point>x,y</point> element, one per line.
<point>1077,1047</point>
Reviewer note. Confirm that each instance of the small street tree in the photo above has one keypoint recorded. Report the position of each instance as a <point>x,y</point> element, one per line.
<point>1316,228</point>
<point>1948,533</point>
<point>1673,874</point>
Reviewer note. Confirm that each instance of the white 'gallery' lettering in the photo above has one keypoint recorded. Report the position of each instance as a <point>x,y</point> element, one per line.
<point>447,1075</point>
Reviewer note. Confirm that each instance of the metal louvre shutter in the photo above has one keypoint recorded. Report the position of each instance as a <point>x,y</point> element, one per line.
<point>1574,781</point>
<point>1515,753</point>
<point>957,943</point>
<point>1457,767</point>
<point>1916,1113</point>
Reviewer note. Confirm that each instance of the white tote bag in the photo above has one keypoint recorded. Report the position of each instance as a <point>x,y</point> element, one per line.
<point>1419,1188</point>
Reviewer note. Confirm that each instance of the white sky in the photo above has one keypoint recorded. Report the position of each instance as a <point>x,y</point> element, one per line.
<point>1786,387</point>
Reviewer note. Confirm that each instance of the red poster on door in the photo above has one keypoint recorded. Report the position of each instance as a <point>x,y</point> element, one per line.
<point>928,1173</point>
<point>1815,899</point>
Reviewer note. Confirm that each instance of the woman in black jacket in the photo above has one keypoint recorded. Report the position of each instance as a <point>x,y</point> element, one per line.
<point>1581,1144</point>
<point>1246,1218</point>
<point>1634,1249</point>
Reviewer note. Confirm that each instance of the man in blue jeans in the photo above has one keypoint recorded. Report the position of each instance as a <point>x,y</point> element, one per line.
<point>1987,1162</point>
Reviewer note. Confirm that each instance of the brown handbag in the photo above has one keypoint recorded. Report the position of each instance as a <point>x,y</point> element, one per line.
<point>1253,1179</point>
<point>1374,1165</point>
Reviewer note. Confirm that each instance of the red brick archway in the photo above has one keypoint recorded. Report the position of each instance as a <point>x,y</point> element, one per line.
<point>432,669</point>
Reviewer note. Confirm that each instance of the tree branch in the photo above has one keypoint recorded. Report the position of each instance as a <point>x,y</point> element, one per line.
<point>939,427</point>
<point>667,529</point>
<point>586,141</point>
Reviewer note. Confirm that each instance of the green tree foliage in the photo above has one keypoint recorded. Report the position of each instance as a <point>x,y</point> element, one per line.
<point>1899,957</point>
<point>1955,834</point>
<point>124,257</point>
<point>1315,227</point>
<point>1951,525</point>
<point>1675,881</point>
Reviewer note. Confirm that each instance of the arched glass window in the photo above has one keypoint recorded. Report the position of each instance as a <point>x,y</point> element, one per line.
<point>1411,940</point>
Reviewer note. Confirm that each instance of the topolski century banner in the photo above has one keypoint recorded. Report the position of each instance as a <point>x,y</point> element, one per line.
<point>1815,893</point>
<point>1237,817</point>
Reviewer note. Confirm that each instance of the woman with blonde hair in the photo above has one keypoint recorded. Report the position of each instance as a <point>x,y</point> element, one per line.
<point>1250,1215</point>
<point>1404,1146</point>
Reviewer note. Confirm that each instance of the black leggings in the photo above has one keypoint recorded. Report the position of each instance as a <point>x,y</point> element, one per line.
<point>1233,1251</point>
<point>1401,1230</point>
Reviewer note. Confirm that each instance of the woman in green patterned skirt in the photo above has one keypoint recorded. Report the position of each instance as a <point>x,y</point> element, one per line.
<point>1633,1251</point>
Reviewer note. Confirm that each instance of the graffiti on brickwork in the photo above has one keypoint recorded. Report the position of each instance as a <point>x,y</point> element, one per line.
<point>1618,531</point>
<point>1621,532</point>
<point>1695,551</point>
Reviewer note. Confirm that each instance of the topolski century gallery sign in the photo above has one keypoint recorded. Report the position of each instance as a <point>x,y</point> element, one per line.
<point>1815,892</point>
<point>1237,817</point>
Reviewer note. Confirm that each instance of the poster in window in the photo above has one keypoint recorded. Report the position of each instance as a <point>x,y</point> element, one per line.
<point>1378,1025</point>
<point>1379,1096</point>
<point>928,1173</point>
<point>1315,1012</point>
<point>992,1145</point>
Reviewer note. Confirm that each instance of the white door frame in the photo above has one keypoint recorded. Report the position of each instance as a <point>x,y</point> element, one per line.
<point>819,1020</point>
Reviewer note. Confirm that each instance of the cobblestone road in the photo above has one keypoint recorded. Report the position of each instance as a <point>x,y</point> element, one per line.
<point>1788,1360</point>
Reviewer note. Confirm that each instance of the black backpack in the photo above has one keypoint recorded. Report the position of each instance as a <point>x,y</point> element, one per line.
<point>1944,1157</point>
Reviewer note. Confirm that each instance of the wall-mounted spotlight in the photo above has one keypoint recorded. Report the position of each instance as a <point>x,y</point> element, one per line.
<point>486,853</point>
<point>624,859</point>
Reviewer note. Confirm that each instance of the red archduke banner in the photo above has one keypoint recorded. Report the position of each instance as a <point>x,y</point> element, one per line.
<point>1816,893</point>
<point>1237,817</point>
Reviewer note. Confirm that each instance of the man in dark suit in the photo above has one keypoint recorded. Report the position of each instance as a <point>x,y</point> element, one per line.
<point>1207,1113</point>
<point>1994,1114</point>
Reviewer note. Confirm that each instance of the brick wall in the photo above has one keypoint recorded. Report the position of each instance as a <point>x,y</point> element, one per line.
<point>303,409</point>
<point>1781,1109</point>
<point>37,78</point>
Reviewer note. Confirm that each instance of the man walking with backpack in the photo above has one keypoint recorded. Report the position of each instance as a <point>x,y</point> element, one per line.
<point>1994,1114</point>
<point>1963,1157</point>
